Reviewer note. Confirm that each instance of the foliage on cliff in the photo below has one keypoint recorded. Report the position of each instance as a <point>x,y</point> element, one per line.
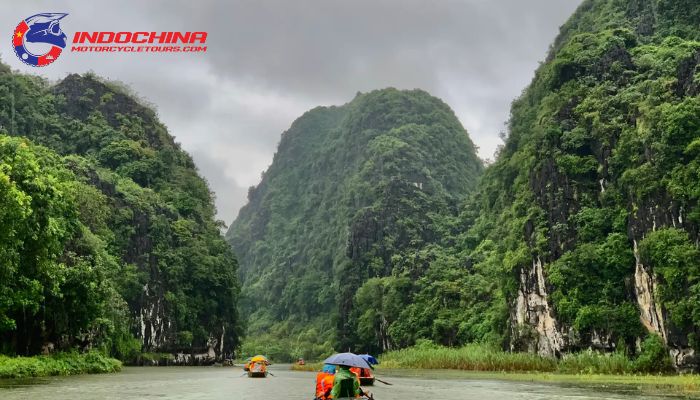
<point>355,193</point>
<point>107,233</point>
<point>587,220</point>
<point>597,181</point>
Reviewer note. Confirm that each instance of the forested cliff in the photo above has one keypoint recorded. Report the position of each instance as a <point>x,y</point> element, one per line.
<point>107,234</point>
<point>355,193</point>
<point>368,233</point>
<point>591,207</point>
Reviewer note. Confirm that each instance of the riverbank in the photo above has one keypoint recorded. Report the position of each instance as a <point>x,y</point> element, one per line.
<point>653,358</point>
<point>650,371</point>
<point>684,385</point>
<point>58,364</point>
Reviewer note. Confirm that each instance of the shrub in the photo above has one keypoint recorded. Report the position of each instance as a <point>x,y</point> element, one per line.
<point>654,356</point>
<point>59,364</point>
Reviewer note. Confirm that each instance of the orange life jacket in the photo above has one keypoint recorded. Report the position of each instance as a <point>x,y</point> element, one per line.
<point>324,384</point>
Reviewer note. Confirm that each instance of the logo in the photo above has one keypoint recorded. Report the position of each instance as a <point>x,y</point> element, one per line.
<point>39,40</point>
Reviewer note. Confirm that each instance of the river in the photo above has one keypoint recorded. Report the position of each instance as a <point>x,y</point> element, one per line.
<point>227,383</point>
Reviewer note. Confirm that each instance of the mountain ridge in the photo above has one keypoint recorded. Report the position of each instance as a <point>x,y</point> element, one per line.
<point>331,166</point>
<point>157,275</point>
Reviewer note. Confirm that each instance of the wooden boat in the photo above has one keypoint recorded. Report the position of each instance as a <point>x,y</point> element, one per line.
<point>367,381</point>
<point>364,375</point>
<point>257,367</point>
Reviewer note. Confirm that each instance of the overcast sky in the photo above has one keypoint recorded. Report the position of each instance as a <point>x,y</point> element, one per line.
<point>269,61</point>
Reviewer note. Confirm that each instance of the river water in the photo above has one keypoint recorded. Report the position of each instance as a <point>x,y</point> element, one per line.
<point>227,383</point>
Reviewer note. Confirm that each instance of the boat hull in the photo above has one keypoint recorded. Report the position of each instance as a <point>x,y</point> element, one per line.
<point>367,381</point>
<point>252,374</point>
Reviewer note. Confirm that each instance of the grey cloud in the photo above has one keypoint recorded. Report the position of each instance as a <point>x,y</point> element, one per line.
<point>230,197</point>
<point>270,60</point>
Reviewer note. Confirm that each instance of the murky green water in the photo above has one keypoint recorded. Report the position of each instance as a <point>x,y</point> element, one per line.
<point>227,383</point>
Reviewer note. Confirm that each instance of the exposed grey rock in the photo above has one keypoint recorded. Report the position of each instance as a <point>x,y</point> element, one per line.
<point>532,309</point>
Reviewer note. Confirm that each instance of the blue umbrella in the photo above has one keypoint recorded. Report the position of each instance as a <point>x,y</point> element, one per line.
<point>370,359</point>
<point>348,360</point>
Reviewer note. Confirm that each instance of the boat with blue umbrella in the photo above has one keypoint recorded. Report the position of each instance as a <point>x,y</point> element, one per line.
<point>365,374</point>
<point>352,361</point>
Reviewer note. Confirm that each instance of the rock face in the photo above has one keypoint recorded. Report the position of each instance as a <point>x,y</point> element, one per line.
<point>651,314</point>
<point>532,309</point>
<point>589,189</point>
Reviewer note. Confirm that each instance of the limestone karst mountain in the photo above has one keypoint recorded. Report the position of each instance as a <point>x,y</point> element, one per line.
<point>352,191</point>
<point>107,233</point>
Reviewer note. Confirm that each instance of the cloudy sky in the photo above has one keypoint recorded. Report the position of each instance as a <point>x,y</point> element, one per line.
<point>268,61</point>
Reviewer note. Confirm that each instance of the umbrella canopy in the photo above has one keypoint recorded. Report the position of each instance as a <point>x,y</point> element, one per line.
<point>370,359</point>
<point>259,359</point>
<point>348,360</point>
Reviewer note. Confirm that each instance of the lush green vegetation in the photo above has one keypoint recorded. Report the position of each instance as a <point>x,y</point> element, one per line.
<point>596,175</point>
<point>587,219</point>
<point>476,357</point>
<point>355,192</point>
<point>472,357</point>
<point>59,364</point>
<point>107,234</point>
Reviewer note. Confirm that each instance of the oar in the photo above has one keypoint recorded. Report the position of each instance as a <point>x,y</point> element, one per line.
<point>244,374</point>
<point>271,373</point>
<point>384,382</point>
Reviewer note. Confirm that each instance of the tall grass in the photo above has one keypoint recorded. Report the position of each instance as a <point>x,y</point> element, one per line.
<point>476,357</point>
<point>472,357</point>
<point>58,364</point>
<point>589,362</point>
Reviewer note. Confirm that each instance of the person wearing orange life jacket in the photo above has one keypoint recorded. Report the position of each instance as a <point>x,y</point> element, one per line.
<point>324,382</point>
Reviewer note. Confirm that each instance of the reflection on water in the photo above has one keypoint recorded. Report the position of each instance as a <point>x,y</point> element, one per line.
<point>228,383</point>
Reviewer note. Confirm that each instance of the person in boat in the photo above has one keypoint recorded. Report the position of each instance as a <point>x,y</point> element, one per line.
<point>361,373</point>
<point>324,382</point>
<point>346,384</point>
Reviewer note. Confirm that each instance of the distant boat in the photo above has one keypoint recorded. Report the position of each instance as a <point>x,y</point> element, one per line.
<point>257,367</point>
<point>367,380</point>
<point>366,376</point>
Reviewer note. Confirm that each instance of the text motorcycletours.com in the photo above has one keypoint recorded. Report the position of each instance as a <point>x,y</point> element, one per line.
<point>138,42</point>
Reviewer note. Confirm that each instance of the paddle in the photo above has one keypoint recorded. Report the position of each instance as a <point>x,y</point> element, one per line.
<point>384,382</point>
<point>271,373</point>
